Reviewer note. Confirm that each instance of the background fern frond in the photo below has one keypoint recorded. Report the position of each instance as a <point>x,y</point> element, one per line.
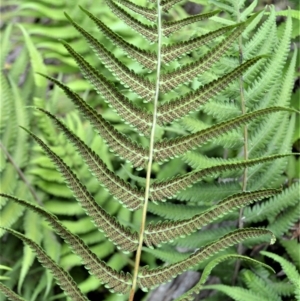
<point>65,280</point>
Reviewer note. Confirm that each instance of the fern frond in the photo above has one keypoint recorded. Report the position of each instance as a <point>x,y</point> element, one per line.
<point>285,220</point>
<point>148,13</point>
<point>115,281</point>
<point>289,269</point>
<point>122,237</point>
<point>259,285</point>
<point>123,192</point>
<point>288,197</point>
<point>150,278</point>
<point>118,143</point>
<point>144,57</point>
<point>261,35</point>
<point>273,66</point>
<point>188,296</point>
<point>143,87</point>
<point>158,233</point>
<point>149,32</point>
<point>175,147</point>
<point>174,212</point>
<point>177,50</point>
<point>282,288</point>
<point>173,79</point>
<point>237,293</point>
<point>167,189</point>
<point>63,278</point>
<point>184,105</point>
<point>262,136</point>
<point>169,27</point>
<point>292,248</point>
<point>11,295</point>
<point>210,192</point>
<point>33,231</point>
<point>5,106</point>
<point>139,119</point>
<point>228,7</point>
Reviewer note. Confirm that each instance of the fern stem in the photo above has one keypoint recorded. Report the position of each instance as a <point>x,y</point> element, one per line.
<point>151,147</point>
<point>245,133</point>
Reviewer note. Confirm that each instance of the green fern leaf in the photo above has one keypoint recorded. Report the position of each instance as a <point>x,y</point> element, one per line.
<point>118,282</point>
<point>143,87</point>
<point>273,66</point>
<point>184,105</point>
<point>150,278</point>
<point>274,206</point>
<point>188,296</point>
<point>162,232</point>
<point>259,285</point>
<point>35,59</point>
<point>177,50</point>
<point>238,293</point>
<point>173,26</point>
<point>5,44</point>
<point>285,220</point>
<point>101,172</point>
<point>149,32</point>
<point>118,143</point>
<point>262,34</point>
<point>167,189</point>
<point>150,14</point>
<point>113,230</point>
<point>63,278</point>
<point>100,217</point>
<point>175,147</point>
<point>5,106</point>
<point>32,227</point>
<point>173,79</point>
<point>138,118</point>
<point>121,190</point>
<point>228,7</point>
<point>292,248</point>
<point>145,58</point>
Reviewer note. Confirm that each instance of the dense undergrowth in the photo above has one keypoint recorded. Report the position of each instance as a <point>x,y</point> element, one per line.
<point>27,173</point>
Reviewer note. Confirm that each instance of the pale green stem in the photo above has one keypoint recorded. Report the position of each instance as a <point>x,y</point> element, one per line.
<point>149,167</point>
